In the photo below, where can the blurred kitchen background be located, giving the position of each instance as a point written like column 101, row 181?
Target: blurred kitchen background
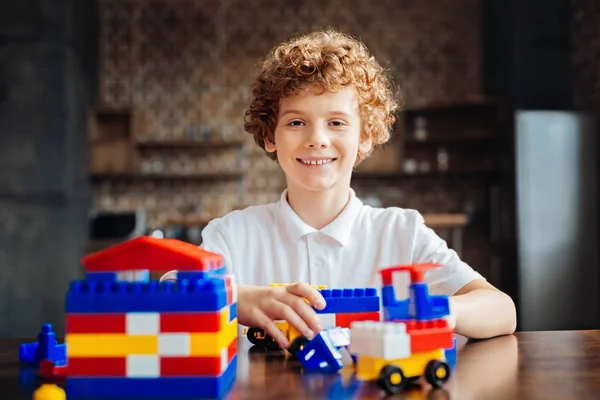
column 122, row 117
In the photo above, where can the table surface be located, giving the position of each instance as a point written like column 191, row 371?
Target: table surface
column 527, row 365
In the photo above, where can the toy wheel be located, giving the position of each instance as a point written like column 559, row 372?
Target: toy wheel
column 437, row 373
column 392, row 379
column 297, row 345
column 256, row 336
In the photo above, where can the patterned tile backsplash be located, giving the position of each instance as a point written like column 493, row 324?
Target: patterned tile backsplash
column 186, row 66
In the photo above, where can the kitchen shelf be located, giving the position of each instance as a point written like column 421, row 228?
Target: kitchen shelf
column 133, row 177
column 188, row 144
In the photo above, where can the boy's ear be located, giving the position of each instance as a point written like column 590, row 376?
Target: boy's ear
column 269, row 146
column 366, row 145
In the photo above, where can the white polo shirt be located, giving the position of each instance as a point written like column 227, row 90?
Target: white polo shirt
column 271, row 244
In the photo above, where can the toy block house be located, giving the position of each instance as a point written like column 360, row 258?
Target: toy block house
column 150, row 339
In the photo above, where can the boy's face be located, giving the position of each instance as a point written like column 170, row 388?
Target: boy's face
column 317, row 138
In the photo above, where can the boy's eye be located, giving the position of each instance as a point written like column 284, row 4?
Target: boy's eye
column 338, row 123
column 295, row 123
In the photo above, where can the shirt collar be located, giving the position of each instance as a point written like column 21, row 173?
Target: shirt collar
column 339, row 229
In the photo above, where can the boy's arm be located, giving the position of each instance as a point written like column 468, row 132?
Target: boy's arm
column 482, row 311
column 479, row 309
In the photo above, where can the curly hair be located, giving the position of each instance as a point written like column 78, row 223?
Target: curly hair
column 323, row 61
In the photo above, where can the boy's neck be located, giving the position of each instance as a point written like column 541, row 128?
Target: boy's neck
column 318, row 209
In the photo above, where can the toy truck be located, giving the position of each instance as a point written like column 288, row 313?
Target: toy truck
column 344, row 306
column 411, row 341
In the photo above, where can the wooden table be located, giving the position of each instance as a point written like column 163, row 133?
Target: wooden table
column 530, row 365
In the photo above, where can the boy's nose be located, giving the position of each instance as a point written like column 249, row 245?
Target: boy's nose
column 318, row 139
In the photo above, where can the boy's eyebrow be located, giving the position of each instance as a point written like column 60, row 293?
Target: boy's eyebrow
column 342, row 113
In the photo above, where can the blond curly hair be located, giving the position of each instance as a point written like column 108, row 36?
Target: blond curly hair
column 326, row 61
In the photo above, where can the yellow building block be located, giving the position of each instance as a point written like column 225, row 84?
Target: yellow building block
column 369, row 368
column 110, row 344
column 211, row 344
column 121, row 345
column 49, row 391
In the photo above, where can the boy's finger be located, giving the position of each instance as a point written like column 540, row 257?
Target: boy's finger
column 291, row 315
column 267, row 325
column 312, row 295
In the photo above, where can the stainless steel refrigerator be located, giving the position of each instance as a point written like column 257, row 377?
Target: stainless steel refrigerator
column 557, row 220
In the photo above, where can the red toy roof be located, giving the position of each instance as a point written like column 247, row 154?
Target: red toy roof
column 154, row 255
column 416, row 272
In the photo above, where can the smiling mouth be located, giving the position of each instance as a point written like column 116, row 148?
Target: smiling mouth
column 316, row 162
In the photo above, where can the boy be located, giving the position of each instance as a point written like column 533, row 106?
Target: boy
column 320, row 105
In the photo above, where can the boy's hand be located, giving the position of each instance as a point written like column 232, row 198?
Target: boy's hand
column 259, row 306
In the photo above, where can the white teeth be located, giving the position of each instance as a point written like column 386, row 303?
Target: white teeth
column 317, row 162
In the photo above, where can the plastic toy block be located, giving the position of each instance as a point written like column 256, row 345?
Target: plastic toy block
column 102, row 276
column 173, row 344
column 198, row 366
column 394, row 310
column 153, row 388
column 385, row 340
column 150, row 323
column 133, row 276
column 233, row 311
column 427, row 306
column 143, row 366
column 104, row 366
column 417, row 272
column 96, row 323
column 48, row 370
column 208, row 344
column 151, row 365
column 196, row 321
column 49, row 391
column 344, row 320
column 110, row 344
column 154, row 255
column 46, row 348
column 429, row 337
column 328, row 320
column 107, row 297
column 142, row 323
column 349, row 300
column 451, row 354
column 28, row 376
column 369, row 368
column 322, row 353
column 124, row 276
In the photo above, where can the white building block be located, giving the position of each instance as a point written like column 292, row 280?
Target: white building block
column 133, row 276
column 224, row 358
column 174, row 344
column 143, row 366
column 386, row 340
column 327, row 320
column 143, row 323
column 234, row 289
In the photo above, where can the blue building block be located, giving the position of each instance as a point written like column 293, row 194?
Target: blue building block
column 394, row 310
column 119, row 297
column 101, row 276
column 322, row 353
column 232, row 312
column 451, row 354
column 429, row 307
column 141, row 276
column 153, row 388
column 46, row 348
column 349, row 300
column 426, row 307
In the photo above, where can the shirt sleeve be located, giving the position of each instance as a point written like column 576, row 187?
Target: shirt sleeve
column 214, row 240
column 453, row 273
